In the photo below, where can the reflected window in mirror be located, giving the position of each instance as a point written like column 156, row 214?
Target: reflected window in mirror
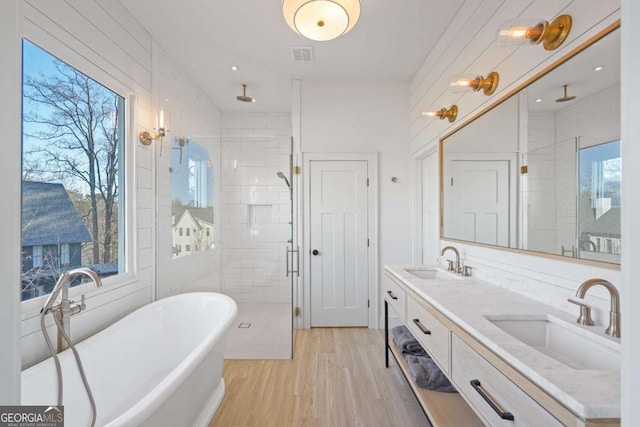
column 600, row 169
column 539, row 170
column 192, row 197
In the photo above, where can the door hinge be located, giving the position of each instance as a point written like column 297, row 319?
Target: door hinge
column 367, row 242
column 452, row 182
column 524, row 170
column 297, row 170
column 368, row 303
column 296, row 311
column 367, row 182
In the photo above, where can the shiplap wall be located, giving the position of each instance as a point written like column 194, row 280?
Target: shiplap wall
column 103, row 40
column 469, row 46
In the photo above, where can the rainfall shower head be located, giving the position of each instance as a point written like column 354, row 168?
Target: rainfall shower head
column 244, row 97
column 281, row 175
column 566, row 97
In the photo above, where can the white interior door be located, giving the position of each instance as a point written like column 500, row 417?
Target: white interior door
column 338, row 242
column 480, row 201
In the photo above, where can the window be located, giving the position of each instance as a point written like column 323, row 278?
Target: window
column 188, row 248
column 599, row 198
column 208, row 232
column 180, row 231
column 188, row 231
column 36, row 257
column 64, row 253
column 72, row 174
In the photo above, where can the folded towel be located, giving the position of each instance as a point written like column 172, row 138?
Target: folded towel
column 406, row 342
column 426, row 374
column 400, row 330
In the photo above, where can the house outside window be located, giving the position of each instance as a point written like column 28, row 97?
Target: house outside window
column 188, row 231
column 188, row 248
column 180, row 231
column 64, row 254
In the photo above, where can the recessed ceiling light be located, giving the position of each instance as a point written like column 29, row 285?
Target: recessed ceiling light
column 539, row 100
column 234, row 68
column 253, row 100
column 598, row 68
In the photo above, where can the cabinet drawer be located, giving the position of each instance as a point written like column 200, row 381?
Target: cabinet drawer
column 396, row 297
column 493, row 395
column 432, row 334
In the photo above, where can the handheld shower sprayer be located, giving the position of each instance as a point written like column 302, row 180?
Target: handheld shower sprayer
column 281, row 175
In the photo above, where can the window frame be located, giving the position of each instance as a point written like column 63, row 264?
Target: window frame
column 128, row 216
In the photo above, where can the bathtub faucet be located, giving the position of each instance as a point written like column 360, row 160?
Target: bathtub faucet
column 63, row 308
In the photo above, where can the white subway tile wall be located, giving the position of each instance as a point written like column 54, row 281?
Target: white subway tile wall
column 255, row 209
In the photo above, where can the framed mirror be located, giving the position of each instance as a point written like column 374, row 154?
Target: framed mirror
column 192, row 197
column 540, row 170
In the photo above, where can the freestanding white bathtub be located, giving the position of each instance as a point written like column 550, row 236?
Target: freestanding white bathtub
column 159, row 366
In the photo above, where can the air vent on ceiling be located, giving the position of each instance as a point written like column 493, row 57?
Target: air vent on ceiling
column 302, row 54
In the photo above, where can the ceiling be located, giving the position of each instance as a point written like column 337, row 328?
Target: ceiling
column 389, row 42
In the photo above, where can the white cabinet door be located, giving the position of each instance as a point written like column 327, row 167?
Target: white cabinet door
column 339, row 249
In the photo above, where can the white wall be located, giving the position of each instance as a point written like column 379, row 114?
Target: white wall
column 367, row 117
column 10, row 121
column 630, row 374
column 255, row 207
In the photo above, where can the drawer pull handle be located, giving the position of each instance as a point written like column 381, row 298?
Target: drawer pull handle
column 487, row 397
column 421, row 327
column 392, row 295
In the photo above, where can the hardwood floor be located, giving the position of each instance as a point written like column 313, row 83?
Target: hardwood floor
column 337, row 378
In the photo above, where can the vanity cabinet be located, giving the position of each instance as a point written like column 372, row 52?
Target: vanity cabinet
column 396, row 297
column 493, row 395
column 432, row 334
column 491, row 391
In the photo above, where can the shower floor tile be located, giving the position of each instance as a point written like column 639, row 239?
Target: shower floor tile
column 267, row 336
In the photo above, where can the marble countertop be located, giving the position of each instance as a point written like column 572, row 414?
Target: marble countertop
column 587, row 393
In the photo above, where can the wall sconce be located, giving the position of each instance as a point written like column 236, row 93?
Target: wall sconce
column 161, row 126
column 443, row 113
column 518, row 32
column 465, row 82
column 321, row 20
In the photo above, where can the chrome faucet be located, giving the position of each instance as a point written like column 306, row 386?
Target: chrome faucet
column 458, row 269
column 585, row 311
column 63, row 308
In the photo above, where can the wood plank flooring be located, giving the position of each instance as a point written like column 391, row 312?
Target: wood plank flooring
column 337, row 378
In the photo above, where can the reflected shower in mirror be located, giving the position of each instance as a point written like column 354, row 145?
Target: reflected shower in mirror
column 540, row 171
column 192, row 197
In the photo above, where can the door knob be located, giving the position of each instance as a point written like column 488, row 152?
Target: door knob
column 315, row 252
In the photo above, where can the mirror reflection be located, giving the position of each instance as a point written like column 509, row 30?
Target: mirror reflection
column 192, row 197
column 541, row 170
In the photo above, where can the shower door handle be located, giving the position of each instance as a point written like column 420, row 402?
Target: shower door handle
column 291, row 251
column 286, row 256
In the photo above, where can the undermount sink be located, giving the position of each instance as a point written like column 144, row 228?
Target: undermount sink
column 565, row 342
column 433, row 273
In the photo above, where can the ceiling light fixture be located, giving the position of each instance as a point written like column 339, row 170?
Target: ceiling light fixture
column 539, row 100
column 598, row 68
column 464, row 82
column 321, row 20
column 443, row 113
column 234, row 68
column 518, row 32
